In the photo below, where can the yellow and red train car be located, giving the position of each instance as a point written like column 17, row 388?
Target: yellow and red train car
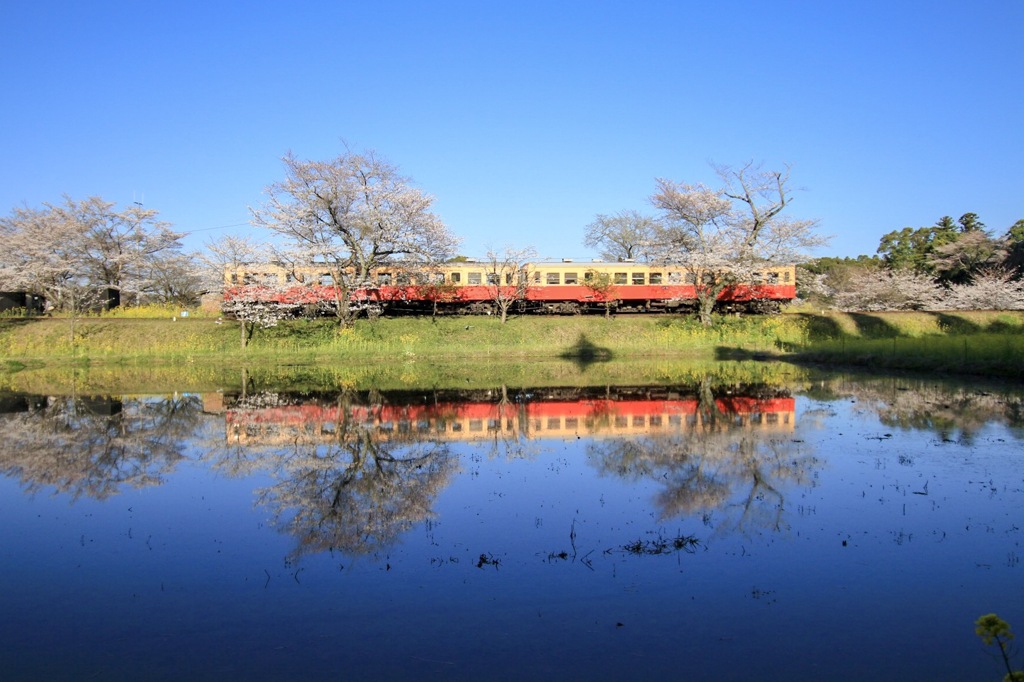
column 561, row 287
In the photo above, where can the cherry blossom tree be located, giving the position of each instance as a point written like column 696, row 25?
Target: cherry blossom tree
column 257, row 306
column 622, row 236
column 71, row 251
column 723, row 236
column 350, row 215
column 698, row 234
column 901, row 289
column 231, row 253
column 508, row 277
column 993, row 288
column 116, row 248
column 176, row 279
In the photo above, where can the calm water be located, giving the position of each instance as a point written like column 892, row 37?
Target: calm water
column 835, row 529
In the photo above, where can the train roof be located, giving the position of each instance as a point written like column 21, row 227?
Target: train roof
column 543, row 262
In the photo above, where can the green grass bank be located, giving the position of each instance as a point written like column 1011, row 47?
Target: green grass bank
column 989, row 343
column 453, row 338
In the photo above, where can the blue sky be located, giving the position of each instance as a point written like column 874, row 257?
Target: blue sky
column 523, row 119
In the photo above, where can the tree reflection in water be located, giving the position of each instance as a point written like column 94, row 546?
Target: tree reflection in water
column 95, row 446
column 952, row 413
column 345, row 488
column 354, row 471
column 720, row 465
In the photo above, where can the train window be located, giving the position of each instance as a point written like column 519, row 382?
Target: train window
column 572, row 278
column 785, row 276
column 326, row 279
column 268, row 279
column 456, row 277
column 383, row 278
column 554, row 277
column 621, row 421
column 638, row 278
column 473, row 278
column 773, row 278
column 536, row 277
column 757, row 277
column 621, row 278
column 655, row 278
column 437, row 278
column 404, row 278
column 588, row 276
column 675, row 278
column 508, row 278
column 476, row 424
column 289, row 277
column 234, row 278
column 492, row 278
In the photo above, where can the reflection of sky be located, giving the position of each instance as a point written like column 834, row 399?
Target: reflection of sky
column 188, row 578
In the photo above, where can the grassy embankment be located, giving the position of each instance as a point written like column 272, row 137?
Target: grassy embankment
column 987, row 343
column 195, row 354
column 106, row 339
column 973, row 343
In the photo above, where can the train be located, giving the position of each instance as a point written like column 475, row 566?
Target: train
column 618, row 412
column 563, row 287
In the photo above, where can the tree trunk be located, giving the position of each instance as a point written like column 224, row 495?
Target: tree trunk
column 705, row 305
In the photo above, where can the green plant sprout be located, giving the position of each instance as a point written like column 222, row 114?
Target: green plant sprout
column 992, row 628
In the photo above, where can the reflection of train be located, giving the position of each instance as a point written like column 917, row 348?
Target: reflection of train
column 472, row 287
column 488, row 419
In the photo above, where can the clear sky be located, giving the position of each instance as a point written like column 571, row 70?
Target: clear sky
column 524, row 119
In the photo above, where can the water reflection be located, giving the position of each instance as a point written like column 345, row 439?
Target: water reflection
column 94, row 446
column 355, row 471
column 953, row 411
column 475, row 415
column 535, row 524
column 733, row 466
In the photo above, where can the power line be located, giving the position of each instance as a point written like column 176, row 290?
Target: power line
column 220, row 227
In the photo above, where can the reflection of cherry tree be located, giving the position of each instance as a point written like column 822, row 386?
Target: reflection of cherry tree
column 354, row 491
column 713, row 470
column 950, row 411
column 96, row 446
column 355, row 496
column 718, row 466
